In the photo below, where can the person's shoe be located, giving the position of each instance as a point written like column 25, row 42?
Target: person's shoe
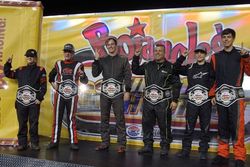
column 183, row 154
column 34, row 147
column 74, row 146
column 102, row 147
column 146, row 150
column 121, row 149
column 239, row 163
column 164, row 151
column 219, row 160
column 22, row 147
column 203, row 156
column 52, row 146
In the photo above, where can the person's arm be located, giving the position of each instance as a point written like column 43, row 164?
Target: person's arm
column 83, row 76
column 212, row 76
column 176, row 87
column 179, row 68
column 136, row 67
column 7, row 69
column 127, row 80
column 52, row 76
column 43, row 85
column 96, row 65
column 96, row 68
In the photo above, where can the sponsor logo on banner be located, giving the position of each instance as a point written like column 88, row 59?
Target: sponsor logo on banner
column 134, row 131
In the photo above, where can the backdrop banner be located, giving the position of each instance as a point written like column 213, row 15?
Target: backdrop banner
column 177, row 29
column 20, row 29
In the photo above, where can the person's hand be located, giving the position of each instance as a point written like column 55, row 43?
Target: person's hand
column 185, row 53
column 81, row 71
column 37, row 102
column 138, row 51
column 54, row 85
column 126, row 96
column 9, row 60
column 213, row 101
column 173, row 106
column 97, row 55
column 243, row 51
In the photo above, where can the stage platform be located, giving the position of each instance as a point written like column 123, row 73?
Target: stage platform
column 87, row 156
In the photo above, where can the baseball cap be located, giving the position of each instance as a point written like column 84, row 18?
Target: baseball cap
column 200, row 48
column 69, row 47
column 31, row 53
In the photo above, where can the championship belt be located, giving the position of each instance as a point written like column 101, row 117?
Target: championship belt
column 155, row 94
column 111, row 88
column 226, row 95
column 68, row 89
column 198, row 95
column 26, row 95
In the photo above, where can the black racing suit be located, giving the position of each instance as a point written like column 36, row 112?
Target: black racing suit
column 163, row 76
column 229, row 70
column 200, row 80
column 32, row 85
column 116, row 72
column 66, row 75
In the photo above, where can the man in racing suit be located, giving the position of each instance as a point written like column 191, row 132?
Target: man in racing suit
column 229, row 66
column 115, row 70
column 65, row 77
column 160, row 97
column 200, row 80
column 32, row 86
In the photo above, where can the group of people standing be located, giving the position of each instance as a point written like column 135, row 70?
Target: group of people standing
column 209, row 83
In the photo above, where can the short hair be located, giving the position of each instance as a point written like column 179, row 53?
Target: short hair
column 228, row 31
column 111, row 38
column 160, row 45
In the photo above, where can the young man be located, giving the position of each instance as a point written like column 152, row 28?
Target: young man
column 115, row 70
column 65, row 77
column 160, row 97
column 200, row 80
column 229, row 66
column 32, row 86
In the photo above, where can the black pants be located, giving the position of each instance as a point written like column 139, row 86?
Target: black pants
column 60, row 105
column 204, row 114
column 25, row 114
column 117, row 105
column 160, row 113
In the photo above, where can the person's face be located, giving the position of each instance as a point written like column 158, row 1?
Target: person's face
column 111, row 46
column 68, row 55
column 159, row 53
column 227, row 40
column 200, row 56
column 31, row 60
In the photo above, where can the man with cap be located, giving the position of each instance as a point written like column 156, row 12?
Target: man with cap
column 64, row 78
column 200, row 79
column 32, row 86
column 116, row 73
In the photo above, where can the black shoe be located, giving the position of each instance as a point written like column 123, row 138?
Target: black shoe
column 203, row 156
column 52, row 146
column 239, row 163
column 74, row 146
column 102, row 147
column 146, row 150
column 219, row 160
column 34, row 147
column 183, row 154
column 164, row 151
column 22, row 147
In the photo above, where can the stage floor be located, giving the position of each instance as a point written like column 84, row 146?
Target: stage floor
column 88, row 156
